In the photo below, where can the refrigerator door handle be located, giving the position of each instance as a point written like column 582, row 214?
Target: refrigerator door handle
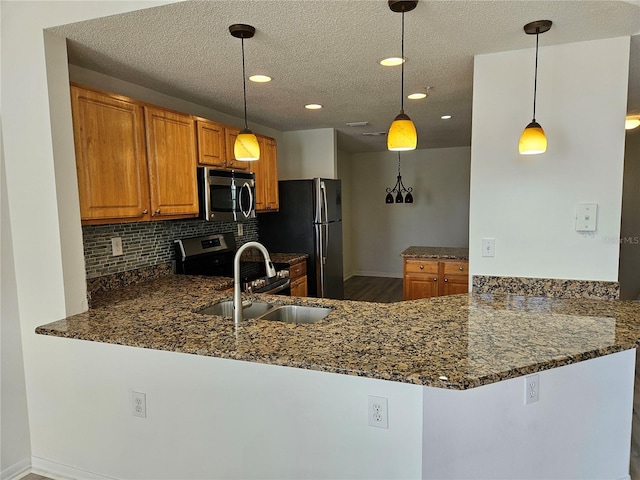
column 323, row 189
column 320, row 259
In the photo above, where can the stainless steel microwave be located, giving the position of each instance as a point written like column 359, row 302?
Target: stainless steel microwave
column 226, row 196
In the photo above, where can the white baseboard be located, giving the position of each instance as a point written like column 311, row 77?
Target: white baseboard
column 58, row 471
column 365, row 273
column 17, row 470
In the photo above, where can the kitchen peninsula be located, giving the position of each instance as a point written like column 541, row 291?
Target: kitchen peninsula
column 451, row 368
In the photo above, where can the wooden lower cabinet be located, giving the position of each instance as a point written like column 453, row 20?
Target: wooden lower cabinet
column 425, row 278
column 298, row 276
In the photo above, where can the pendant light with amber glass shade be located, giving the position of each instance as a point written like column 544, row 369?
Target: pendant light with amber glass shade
column 246, row 147
column 533, row 141
column 402, row 134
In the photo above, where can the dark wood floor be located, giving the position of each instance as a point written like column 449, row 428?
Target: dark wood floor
column 373, row 289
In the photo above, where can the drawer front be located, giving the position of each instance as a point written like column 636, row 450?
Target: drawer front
column 416, row 265
column 454, row 267
column 298, row 269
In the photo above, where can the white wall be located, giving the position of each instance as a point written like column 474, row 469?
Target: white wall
column 439, row 215
column 630, row 227
column 527, row 203
column 308, row 154
column 15, row 451
column 213, row 418
column 43, row 221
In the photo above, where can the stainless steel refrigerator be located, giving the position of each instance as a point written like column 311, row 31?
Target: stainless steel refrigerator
column 309, row 221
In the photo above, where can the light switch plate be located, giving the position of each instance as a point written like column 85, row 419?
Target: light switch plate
column 586, row 217
column 488, row 247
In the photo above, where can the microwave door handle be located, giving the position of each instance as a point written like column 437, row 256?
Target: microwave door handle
column 246, row 213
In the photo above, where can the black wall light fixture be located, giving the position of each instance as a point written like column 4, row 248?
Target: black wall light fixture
column 399, row 189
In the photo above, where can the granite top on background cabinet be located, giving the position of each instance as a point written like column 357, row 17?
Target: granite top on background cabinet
column 451, row 253
column 454, row 342
column 253, row 255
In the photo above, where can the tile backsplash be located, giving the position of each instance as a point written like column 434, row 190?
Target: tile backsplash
column 147, row 244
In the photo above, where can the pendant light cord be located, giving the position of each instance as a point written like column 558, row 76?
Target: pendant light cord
column 535, row 78
column 402, row 69
column 244, row 87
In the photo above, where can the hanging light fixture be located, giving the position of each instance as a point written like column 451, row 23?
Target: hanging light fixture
column 399, row 189
column 402, row 134
column 246, row 147
column 533, row 140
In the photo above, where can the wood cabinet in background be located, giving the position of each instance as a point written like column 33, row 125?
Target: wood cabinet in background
column 171, row 154
column 111, row 161
column 426, row 277
column 298, row 277
column 266, row 172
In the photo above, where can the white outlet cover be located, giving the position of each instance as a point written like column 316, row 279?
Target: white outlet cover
column 531, row 389
column 378, row 412
column 488, row 247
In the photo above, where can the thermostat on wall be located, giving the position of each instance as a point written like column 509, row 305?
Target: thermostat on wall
column 586, row 217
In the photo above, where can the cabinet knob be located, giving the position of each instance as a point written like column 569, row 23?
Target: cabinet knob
column 446, row 279
column 461, row 268
column 145, row 211
column 435, row 279
column 157, row 212
column 421, row 267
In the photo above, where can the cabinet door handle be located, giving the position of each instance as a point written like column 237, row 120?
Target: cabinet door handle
column 421, row 267
column 145, row 211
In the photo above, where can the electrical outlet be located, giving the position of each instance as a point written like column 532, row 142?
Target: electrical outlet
column 378, row 412
column 531, row 389
column 116, row 246
column 139, row 405
column 240, row 229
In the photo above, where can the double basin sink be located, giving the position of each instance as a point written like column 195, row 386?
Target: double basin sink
column 267, row 311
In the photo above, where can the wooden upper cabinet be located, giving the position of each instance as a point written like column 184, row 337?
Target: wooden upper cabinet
column 110, row 157
column 211, row 144
column 230, row 135
column 266, row 172
column 171, row 152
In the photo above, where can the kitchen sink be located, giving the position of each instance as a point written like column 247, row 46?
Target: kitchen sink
column 225, row 309
column 296, row 314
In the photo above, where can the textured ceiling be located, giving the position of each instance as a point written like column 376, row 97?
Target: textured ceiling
column 327, row 52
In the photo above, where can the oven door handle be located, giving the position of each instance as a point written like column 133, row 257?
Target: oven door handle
column 279, row 288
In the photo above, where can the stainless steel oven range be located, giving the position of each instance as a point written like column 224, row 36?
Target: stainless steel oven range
column 212, row 255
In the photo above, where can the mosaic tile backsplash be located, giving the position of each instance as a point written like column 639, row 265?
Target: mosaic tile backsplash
column 146, row 244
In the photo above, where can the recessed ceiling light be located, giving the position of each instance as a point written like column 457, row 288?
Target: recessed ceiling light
column 260, row 78
column 417, row 96
column 445, row 117
column 313, row 106
column 392, row 61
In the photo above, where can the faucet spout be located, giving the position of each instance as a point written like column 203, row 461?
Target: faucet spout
column 237, row 298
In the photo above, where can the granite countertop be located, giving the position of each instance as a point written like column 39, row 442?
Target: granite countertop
column 455, row 342
column 253, row 255
column 453, row 253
